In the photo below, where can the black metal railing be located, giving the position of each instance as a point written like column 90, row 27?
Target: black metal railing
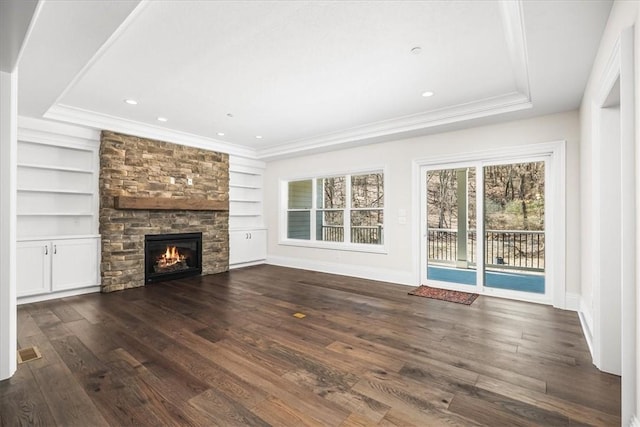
column 359, row 234
column 505, row 249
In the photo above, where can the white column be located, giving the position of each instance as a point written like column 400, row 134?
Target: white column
column 461, row 177
column 8, row 153
column 629, row 232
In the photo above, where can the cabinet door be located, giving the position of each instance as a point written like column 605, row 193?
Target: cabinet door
column 247, row 246
column 74, row 264
column 33, row 268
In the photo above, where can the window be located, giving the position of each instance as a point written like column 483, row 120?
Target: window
column 344, row 209
column 366, row 208
column 299, row 213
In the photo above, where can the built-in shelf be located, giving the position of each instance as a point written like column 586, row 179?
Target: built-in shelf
column 45, row 190
column 60, row 237
column 160, row 203
column 55, row 214
column 251, row 187
column 54, row 168
column 247, row 233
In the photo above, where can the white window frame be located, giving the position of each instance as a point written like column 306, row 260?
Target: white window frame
column 312, row 242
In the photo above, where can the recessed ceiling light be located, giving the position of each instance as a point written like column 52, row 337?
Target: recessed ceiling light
column 258, row 136
column 427, row 94
column 162, row 119
column 131, row 101
column 416, row 50
column 220, row 133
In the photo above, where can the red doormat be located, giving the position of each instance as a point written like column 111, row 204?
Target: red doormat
column 444, row 295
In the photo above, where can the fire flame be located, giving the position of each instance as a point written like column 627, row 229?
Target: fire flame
column 170, row 257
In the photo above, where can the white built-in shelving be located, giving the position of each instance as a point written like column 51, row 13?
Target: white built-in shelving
column 247, row 231
column 57, row 210
column 245, row 194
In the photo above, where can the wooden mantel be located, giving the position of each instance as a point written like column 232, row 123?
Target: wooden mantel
column 167, row 203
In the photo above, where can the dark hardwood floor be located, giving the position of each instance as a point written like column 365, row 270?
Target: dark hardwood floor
column 227, row 350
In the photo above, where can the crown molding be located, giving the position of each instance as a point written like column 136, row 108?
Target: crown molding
column 95, row 120
column 235, row 161
column 30, row 127
column 513, row 24
column 499, row 105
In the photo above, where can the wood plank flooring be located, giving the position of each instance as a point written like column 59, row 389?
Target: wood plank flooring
column 226, row 350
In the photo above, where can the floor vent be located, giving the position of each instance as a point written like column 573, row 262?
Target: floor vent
column 28, row 354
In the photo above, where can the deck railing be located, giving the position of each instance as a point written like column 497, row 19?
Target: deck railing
column 504, row 249
column 359, row 234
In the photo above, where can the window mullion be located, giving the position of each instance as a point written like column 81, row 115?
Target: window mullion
column 312, row 212
column 347, row 210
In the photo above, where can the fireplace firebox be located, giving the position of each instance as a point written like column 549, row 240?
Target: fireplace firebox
column 172, row 256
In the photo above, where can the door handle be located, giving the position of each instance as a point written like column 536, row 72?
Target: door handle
column 46, row 249
column 55, row 249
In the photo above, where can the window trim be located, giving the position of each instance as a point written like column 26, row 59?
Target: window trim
column 320, row 244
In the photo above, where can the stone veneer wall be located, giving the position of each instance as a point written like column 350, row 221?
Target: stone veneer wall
column 133, row 166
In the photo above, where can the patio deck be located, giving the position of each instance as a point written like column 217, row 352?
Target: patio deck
column 524, row 282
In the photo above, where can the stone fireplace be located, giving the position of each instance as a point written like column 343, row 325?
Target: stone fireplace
column 150, row 187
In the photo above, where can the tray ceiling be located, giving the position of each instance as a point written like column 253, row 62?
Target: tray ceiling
column 271, row 78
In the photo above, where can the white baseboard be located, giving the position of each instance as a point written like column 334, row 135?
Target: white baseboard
column 55, row 295
column 586, row 321
column 360, row 271
column 246, row 264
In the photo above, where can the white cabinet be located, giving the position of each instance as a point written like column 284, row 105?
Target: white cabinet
column 74, row 264
column 247, row 246
column 33, row 268
column 45, row 266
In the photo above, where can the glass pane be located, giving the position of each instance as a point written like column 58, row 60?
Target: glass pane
column 331, row 193
column 367, row 191
column 367, row 226
column 299, row 225
column 514, row 226
column 300, row 194
column 451, row 225
column 330, row 226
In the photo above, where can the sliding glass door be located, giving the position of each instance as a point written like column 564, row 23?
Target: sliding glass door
column 484, row 227
column 451, row 220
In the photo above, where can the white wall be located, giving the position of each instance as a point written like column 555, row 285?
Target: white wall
column 8, row 153
column 400, row 263
column 624, row 14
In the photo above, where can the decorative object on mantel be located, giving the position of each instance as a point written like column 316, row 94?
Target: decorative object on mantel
column 465, row 298
column 169, row 203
